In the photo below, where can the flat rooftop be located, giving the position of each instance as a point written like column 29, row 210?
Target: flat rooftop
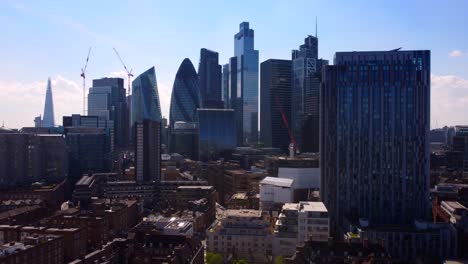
column 243, row 213
column 313, row 207
column 281, row 182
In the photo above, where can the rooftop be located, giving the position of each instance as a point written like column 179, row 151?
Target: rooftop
column 313, row 206
column 281, row 182
column 243, row 213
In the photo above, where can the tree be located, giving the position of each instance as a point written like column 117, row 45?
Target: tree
column 240, row 261
column 279, row 260
column 214, row 258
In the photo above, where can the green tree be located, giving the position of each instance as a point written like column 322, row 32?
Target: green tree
column 240, row 261
column 214, row 258
column 279, row 260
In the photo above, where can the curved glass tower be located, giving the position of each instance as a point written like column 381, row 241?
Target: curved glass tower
column 145, row 98
column 185, row 98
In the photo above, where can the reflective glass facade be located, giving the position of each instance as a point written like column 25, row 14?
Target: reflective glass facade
column 185, row 98
column 225, row 86
column 48, row 117
column 145, row 98
column 275, row 96
column 247, row 82
column 217, row 133
column 374, row 146
column 209, row 79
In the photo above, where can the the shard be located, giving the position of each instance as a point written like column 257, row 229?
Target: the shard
column 48, row 120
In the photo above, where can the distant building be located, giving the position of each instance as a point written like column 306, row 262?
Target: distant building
column 274, row 192
column 148, row 151
column 107, row 100
column 275, row 97
column 364, row 167
column 48, row 117
column 35, row 249
column 185, row 97
column 244, row 233
column 209, row 79
column 297, row 223
column 226, row 93
column 101, row 122
column 184, row 139
column 235, row 181
column 247, row 83
column 145, row 98
column 38, row 121
column 217, row 133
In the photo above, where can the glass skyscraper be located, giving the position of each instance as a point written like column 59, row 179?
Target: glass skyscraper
column 275, row 96
column 209, row 79
column 247, row 83
column 374, row 143
column 305, row 95
column 185, row 98
column 145, row 98
column 48, row 117
column 217, row 133
column 225, row 95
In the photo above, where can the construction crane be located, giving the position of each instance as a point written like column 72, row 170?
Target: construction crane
column 129, row 72
column 292, row 146
column 83, row 75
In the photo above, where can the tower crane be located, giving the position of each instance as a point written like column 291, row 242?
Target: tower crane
column 129, row 72
column 83, row 75
column 292, row 146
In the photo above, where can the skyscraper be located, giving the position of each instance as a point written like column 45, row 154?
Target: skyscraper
column 226, row 95
column 107, row 100
column 374, row 144
column 217, row 133
column 275, row 96
column 185, row 98
column 247, row 82
column 148, row 151
column 305, row 92
column 145, row 98
column 48, row 117
column 209, row 79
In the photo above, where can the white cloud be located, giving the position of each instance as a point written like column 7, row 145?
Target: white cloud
column 449, row 100
column 22, row 101
column 456, row 53
column 119, row 74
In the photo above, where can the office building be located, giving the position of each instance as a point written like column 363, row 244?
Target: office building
column 217, row 133
column 244, row 233
column 106, row 100
column 145, row 98
column 49, row 157
column 297, row 223
column 148, row 151
column 185, row 98
column 184, row 139
column 14, row 158
column 305, row 95
column 374, row 144
column 275, row 103
column 235, row 99
column 275, row 192
column 209, row 79
column 225, row 92
column 247, row 83
column 48, row 119
column 101, row 122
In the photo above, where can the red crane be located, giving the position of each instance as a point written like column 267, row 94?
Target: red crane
column 129, row 72
column 286, row 124
column 83, row 75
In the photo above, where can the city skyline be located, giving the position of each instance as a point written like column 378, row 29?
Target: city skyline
column 64, row 31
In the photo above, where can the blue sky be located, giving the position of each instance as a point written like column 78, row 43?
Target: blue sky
column 51, row 38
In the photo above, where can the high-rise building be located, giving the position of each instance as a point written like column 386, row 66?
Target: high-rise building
column 106, row 99
column 247, row 83
column 184, row 139
column 148, row 151
column 209, row 79
column 275, row 101
column 235, row 99
column 374, row 137
column 48, row 117
column 145, row 98
column 185, row 98
column 217, row 133
column 226, row 95
column 305, row 95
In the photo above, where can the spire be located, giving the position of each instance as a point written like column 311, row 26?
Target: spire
column 316, row 27
column 49, row 120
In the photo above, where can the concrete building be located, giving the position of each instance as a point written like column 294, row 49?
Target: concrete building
column 244, row 233
column 275, row 192
column 147, row 138
column 241, row 181
column 299, row 222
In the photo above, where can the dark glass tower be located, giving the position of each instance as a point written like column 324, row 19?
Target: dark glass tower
column 148, row 151
column 145, row 98
column 305, row 95
column 275, row 96
column 226, row 95
column 247, row 82
column 374, row 144
column 217, row 133
column 107, row 100
column 209, row 79
column 185, row 98
column 48, row 118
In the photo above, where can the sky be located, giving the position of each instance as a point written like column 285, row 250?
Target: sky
column 41, row 39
